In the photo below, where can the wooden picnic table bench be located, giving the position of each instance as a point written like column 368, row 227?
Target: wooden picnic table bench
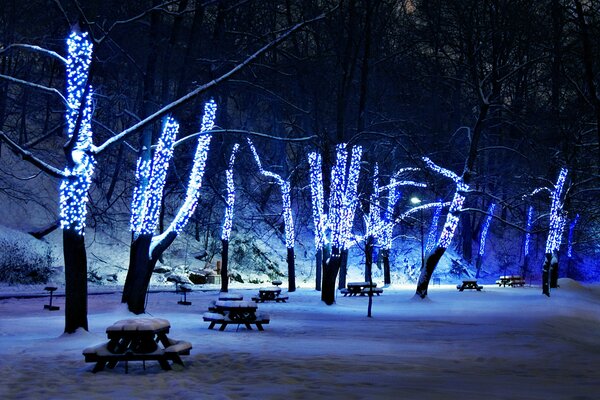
column 270, row 294
column 469, row 284
column 235, row 312
column 137, row 339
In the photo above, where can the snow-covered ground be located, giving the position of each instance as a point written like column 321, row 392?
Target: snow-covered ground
column 501, row 343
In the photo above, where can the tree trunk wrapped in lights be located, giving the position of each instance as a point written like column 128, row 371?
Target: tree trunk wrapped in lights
column 482, row 239
column 146, row 247
column 526, row 245
column 288, row 221
column 228, row 221
column 78, row 177
column 319, row 218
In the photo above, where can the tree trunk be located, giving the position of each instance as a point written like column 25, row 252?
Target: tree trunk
column 478, row 265
column 546, row 274
column 75, row 281
column 554, row 271
column 330, row 270
column 224, row 261
column 343, row 269
column 291, row 270
column 319, row 266
column 385, row 255
column 134, row 290
column 425, row 276
column 369, row 259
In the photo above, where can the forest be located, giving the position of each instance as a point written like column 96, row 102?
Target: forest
column 487, row 103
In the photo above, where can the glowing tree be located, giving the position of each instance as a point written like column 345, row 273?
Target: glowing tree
column 228, row 220
column 77, row 179
column 335, row 227
column 452, row 218
column 432, row 235
column 483, row 236
column 319, row 218
column 147, row 247
column 374, row 225
column 555, row 232
column 288, row 221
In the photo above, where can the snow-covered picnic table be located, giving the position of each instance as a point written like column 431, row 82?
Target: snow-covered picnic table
column 272, row 293
column 137, row 339
column 238, row 312
column 361, row 288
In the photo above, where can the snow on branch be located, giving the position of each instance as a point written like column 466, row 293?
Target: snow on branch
column 37, row 49
column 442, row 171
column 35, row 86
column 28, row 156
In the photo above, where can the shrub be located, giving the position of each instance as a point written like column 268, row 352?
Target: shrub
column 23, row 259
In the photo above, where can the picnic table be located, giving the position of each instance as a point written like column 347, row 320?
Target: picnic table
column 469, row 284
column 270, row 294
column 137, row 339
column 361, row 288
column 225, row 312
column 510, row 280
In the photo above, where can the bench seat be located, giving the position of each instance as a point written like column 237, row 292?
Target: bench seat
column 223, row 320
column 278, row 299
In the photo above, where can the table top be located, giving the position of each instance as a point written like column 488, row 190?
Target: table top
column 470, row 281
column 270, row 289
column 139, row 325
column 230, row 296
column 235, row 304
column 361, row 284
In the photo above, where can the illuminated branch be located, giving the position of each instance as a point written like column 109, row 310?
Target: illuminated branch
column 316, row 190
column 422, row 207
column 374, row 221
column 557, row 217
column 388, row 218
column 228, row 220
column 350, row 201
column 431, row 237
column 528, row 230
column 485, row 228
column 285, row 197
column 195, row 180
column 336, row 196
column 147, row 197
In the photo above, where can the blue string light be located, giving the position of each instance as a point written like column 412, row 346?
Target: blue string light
column 528, row 230
column 485, row 228
column 350, row 197
column 336, row 196
column 316, row 190
column 228, row 220
column 374, row 220
column 431, row 237
column 571, row 229
column 74, row 188
column 197, row 173
column 557, row 217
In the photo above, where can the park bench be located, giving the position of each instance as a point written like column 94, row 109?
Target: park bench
column 510, row 280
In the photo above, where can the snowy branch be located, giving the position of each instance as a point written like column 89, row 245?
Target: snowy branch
column 27, row 156
column 36, row 49
column 35, row 86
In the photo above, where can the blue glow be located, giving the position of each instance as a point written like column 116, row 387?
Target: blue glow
column 316, row 190
column 374, row 221
column 485, row 228
column 528, row 230
column 74, row 188
column 571, row 229
column 431, row 237
column 228, row 219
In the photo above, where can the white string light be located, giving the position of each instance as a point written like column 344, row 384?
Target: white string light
column 485, row 228
column 350, row 196
column 528, row 230
column 431, row 237
column 74, row 188
column 228, row 219
column 316, row 190
column 557, row 217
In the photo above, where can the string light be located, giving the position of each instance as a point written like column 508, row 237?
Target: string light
column 74, row 188
column 285, row 197
column 528, row 230
column 138, row 203
column 336, row 197
column 431, row 237
column 375, row 223
column 485, row 228
column 197, row 173
column 557, row 218
column 228, row 220
column 571, row 229
column 350, row 196
column 388, row 219
column 316, row 190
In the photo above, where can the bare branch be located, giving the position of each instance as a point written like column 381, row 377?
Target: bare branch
column 201, row 89
column 36, row 49
column 248, row 133
column 27, row 156
column 34, row 85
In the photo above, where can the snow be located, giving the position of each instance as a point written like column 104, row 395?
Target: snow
column 500, row 343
